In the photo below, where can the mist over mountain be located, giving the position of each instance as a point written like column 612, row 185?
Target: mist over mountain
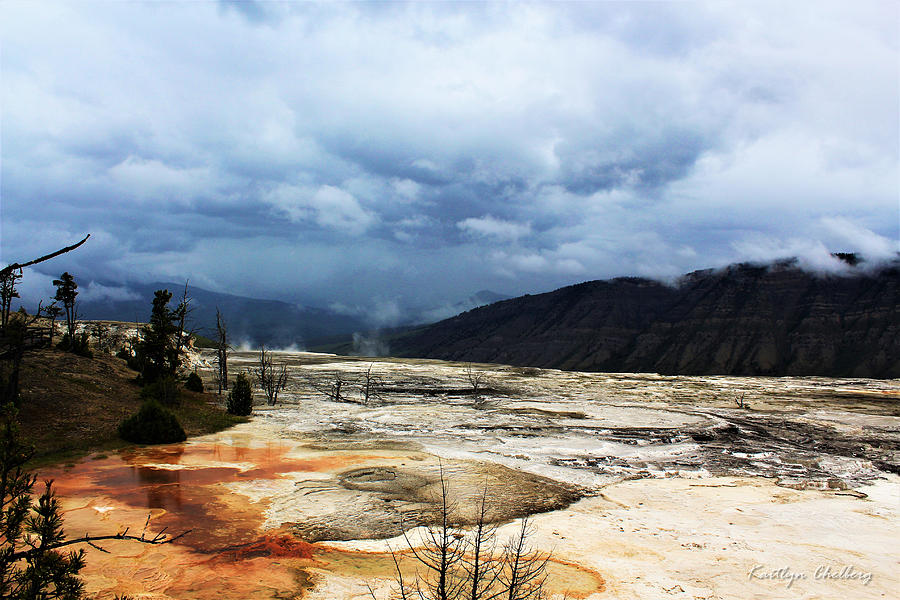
column 439, row 313
column 254, row 321
column 251, row 321
column 746, row 319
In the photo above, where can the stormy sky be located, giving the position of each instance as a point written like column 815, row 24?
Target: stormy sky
column 376, row 156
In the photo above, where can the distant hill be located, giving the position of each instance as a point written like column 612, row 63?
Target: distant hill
column 250, row 320
column 742, row 320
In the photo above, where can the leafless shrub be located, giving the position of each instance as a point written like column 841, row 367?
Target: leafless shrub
column 336, row 388
column 368, row 386
column 477, row 379
column 271, row 378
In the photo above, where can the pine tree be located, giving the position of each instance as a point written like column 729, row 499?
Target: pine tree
column 31, row 566
column 157, row 351
column 66, row 290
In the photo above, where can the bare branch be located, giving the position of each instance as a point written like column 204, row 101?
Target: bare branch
column 9, row 268
column 156, row 540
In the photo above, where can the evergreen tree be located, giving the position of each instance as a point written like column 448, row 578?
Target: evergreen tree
column 66, row 290
column 157, row 351
column 240, row 400
column 31, row 566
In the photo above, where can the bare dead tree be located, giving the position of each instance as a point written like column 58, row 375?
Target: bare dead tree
column 524, row 569
column 335, row 388
column 155, row 539
column 465, row 564
column 477, row 379
column 270, row 377
column 12, row 339
column 441, row 554
column 479, row 563
column 368, row 385
column 264, row 366
column 336, row 385
column 279, row 383
column 182, row 313
column 221, row 352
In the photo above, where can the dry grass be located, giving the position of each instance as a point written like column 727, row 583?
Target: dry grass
column 71, row 405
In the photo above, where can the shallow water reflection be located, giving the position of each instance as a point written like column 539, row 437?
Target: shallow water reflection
column 221, row 489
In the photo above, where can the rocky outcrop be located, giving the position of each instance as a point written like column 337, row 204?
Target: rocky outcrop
column 742, row 320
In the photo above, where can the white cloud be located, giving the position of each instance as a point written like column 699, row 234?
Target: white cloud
column 547, row 262
column 815, row 246
column 489, row 226
column 860, row 239
column 328, row 206
column 152, row 180
column 406, row 189
column 337, row 209
column 96, row 291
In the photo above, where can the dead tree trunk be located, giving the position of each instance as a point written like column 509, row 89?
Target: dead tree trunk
column 368, row 386
column 181, row 313
column 271, row 378
column 221, row 352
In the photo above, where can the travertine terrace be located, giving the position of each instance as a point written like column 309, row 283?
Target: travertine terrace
column 641, row 486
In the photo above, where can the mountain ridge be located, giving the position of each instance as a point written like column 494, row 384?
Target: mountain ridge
column 744, row 319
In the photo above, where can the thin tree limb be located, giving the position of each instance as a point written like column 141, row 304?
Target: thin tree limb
column 10, row 268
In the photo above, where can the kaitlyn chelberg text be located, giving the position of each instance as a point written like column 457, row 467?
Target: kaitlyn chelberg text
column 822, row 573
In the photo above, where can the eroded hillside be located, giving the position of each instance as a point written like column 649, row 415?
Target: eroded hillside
column 743, row 320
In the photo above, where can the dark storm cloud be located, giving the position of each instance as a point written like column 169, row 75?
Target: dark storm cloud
column 400, row 153
column 647, row 164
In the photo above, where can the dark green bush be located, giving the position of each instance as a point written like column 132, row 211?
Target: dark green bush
column 153, row 424
column 194, row 383
column 240, row 399
column 163, row 390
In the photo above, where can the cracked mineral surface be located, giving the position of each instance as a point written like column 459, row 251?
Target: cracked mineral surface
column 639, row 485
